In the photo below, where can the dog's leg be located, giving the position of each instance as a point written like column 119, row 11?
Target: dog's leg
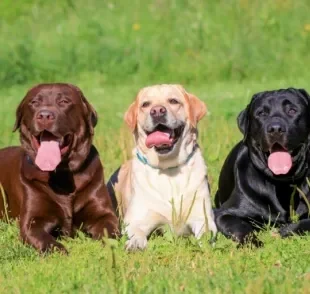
column 97, row 218
column 104, row 223
column 198, row 228
column 39, row 218
column 299, row 228
column 238, row 229
column 137, row 233
column 139, row 225
column 210, row 218
column 36, row 232
column 204, row 209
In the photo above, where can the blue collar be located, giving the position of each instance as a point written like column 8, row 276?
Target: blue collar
column 143, row 159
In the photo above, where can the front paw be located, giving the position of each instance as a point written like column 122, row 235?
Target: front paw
column 289, row 230
column 198, row 229
column 249, row 240
column 52, row 247
column 136, row 243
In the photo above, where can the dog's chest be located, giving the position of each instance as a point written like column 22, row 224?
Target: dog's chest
column 171, row 185
column 165, row 190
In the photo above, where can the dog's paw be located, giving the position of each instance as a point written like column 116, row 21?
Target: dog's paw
column 249, row 240
column 54, row 247
column 289, row 230
column 136, row 243
column 198, row 229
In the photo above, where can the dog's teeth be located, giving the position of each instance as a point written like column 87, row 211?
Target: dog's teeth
column 172, row 134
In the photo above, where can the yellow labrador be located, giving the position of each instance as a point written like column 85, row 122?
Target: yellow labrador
column 166, row 180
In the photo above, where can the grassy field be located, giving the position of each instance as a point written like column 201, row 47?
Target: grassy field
column 223, row 51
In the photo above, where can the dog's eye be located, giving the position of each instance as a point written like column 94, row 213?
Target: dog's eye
column 34, row 103
column 292, row 111
column 146, row 104
column 173, row 101
column 262, row 113
column 63, row 102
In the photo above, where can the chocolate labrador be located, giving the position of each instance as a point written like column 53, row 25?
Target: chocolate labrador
column 257, row 182
column 54, row 182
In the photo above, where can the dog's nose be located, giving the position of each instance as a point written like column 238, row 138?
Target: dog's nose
column 276, row 128
column 45, row 116
column 158, row 111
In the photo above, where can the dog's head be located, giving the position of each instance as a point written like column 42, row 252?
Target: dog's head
column 163, row 119
column 276, row 125
column 56, row 124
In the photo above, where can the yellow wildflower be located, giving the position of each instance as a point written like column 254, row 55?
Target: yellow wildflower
column 136, row 26
column 307, row 27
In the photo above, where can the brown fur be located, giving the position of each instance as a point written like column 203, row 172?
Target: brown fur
column 73, row 196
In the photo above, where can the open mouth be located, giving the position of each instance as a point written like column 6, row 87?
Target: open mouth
column 163, row 138
column 49, row 149
column 279, row 159
column 45, row 136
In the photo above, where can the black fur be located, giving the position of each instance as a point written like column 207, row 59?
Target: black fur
column 110, row 186
column 249, row 194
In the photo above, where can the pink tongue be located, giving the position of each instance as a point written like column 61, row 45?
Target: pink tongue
column 48, row 156
column 158, row 139
column 280, row 162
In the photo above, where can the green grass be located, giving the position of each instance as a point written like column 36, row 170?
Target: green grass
column 222, row 51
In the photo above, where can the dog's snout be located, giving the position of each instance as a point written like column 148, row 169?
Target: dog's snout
column 158, row 111
column 45, row 116
column 276, row 128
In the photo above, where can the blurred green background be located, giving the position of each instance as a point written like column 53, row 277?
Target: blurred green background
column 143, row 42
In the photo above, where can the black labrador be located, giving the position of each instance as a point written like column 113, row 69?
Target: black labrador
column 258, row 181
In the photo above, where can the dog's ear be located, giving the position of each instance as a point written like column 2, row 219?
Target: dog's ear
column 92, row 117
column 305, row 94
column 20, row 107
column 197, row 109
column 130, row 116
column 243, row 121
column 19, row 116
column 19, row 111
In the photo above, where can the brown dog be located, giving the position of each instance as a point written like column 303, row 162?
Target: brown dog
column 54, row 181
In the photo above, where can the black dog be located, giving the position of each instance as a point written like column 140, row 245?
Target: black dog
column 256, row 185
